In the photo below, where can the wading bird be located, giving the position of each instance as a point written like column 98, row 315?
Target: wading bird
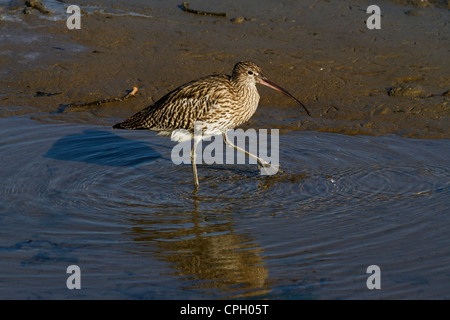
column 218, row 102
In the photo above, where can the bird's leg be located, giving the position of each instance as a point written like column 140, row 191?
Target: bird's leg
column 193, row 161
column 261, row 162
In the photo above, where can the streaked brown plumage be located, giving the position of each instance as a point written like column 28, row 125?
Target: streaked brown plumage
column 222, row 102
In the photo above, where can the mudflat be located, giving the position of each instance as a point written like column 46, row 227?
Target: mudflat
column 353, row 79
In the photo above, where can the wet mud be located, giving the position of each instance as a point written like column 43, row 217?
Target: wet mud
column 350, row 77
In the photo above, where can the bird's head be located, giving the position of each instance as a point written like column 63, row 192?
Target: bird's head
column 246, row 72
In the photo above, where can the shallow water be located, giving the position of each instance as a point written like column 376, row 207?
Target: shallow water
column 113, row 203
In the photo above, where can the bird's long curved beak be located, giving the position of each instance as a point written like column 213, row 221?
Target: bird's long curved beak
column 270, row 84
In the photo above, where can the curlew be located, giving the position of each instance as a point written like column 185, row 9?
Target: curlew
column 217, row 102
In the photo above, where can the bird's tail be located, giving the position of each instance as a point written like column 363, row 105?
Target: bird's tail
column 120, row 126
column 128, row 125
column 135, row 122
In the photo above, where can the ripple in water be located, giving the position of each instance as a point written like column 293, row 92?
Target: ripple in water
column 369, row 171
column 69, row 184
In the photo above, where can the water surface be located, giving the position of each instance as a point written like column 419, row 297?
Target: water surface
column 113, row 203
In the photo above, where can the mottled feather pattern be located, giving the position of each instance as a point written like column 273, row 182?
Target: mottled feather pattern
column 219, row 100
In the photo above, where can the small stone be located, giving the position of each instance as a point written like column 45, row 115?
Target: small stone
column 386, row 111
column 36, row 4
column 238, row 20
column 405, row 90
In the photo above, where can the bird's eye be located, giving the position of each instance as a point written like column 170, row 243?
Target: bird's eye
column 250, row 72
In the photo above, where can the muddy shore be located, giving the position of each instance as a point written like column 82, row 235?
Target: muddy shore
column 354, row 80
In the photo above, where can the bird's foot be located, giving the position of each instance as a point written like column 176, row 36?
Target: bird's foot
column 267, row 168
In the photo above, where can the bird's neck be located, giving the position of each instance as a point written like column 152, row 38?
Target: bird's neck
column 248, row 99
column 242, row 86
column 248, row 93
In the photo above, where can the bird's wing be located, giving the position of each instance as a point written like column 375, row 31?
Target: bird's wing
column 180, row 108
